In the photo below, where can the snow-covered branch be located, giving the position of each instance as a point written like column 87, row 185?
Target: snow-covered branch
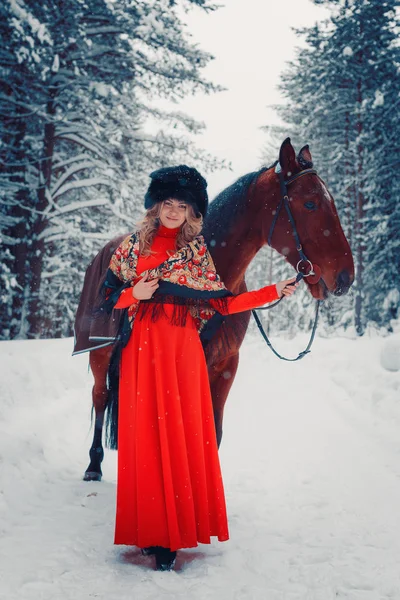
column 82, row 183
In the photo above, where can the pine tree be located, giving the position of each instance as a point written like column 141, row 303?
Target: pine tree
column 341, row 94
column 76, row 82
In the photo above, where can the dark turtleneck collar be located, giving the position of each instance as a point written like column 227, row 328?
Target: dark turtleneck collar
column 166, row 232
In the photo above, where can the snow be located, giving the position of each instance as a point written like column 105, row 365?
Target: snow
column 101, row 88
column 379, row 99
column 38, row 28
column 347, row 51
column 310, row 458
column 390, row 355
column 56, row 64
column 150, row 25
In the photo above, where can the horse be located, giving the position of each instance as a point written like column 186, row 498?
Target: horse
column 240, row 221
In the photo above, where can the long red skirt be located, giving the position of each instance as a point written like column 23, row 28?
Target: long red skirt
column 170, row 491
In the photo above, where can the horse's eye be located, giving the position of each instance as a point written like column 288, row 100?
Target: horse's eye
column 310, row 205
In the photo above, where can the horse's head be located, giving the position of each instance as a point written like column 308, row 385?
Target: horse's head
column 316, row 220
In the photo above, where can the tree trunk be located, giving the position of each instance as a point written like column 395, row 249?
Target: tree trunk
column 19, row 212
column 349, row 212
column 35, row 316
column 360, row 233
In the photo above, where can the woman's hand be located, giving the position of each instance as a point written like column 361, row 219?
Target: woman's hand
column 144, row 289
column 285, row 289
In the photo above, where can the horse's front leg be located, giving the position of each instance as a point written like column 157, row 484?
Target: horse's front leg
column 99, row 361
column 221, row 378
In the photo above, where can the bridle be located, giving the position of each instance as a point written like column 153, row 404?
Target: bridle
column 304, row 267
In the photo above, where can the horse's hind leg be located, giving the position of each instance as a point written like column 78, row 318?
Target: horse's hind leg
column 99, row 361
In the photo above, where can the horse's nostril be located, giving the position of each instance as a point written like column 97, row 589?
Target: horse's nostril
column 342, row 283
column 343, row 279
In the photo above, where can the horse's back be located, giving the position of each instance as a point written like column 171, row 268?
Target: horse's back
column 91, row 333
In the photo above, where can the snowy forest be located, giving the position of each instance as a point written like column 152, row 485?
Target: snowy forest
column 79, row 84
column 343, row 99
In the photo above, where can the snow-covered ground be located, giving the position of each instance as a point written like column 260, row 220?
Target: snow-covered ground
column 311, row 463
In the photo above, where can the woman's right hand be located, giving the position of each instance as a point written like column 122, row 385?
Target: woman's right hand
column 144, row 289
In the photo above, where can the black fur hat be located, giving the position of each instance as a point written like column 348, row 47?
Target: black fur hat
column 181, row 182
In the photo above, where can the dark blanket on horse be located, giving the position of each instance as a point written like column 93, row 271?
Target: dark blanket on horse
column 91, row 333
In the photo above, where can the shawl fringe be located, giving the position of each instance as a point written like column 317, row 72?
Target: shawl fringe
column 182, row 308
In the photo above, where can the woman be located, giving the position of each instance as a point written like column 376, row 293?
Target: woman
column 170, row 493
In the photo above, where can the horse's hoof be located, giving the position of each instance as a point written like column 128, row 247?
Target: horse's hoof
column 92, row 476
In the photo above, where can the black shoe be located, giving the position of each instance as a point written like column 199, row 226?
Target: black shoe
column 165, row 559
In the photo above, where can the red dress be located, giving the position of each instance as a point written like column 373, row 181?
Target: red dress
column 170, row 491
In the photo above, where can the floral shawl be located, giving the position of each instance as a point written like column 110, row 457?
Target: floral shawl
column 187, row 280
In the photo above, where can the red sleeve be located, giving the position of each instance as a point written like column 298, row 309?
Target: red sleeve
column 245, row 301
column 126, row 299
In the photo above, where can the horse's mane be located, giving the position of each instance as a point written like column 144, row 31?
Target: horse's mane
column 228, row 206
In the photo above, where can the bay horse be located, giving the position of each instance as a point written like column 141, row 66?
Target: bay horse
column 237, row 225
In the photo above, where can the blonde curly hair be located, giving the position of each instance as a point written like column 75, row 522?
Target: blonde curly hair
column 149, row 225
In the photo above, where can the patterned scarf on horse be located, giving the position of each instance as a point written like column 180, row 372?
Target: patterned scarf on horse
column 187, row 280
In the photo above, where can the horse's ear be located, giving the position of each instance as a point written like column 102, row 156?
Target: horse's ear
column 304, row 158
column 287, row 159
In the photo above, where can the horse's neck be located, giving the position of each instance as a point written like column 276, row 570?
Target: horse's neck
column 248, row 236
column 233, row 258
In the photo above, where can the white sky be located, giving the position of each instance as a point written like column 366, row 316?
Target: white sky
column 251, row 41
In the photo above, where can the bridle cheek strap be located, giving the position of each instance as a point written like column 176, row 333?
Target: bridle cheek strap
column 308, row 270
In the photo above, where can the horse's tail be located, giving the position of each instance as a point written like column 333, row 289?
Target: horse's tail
column 111, row 437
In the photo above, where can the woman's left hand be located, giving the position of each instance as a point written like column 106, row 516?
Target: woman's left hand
column 285, row 288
